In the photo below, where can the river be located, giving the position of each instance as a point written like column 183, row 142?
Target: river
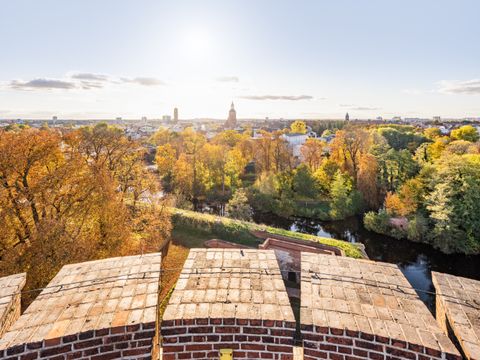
column 416, row 260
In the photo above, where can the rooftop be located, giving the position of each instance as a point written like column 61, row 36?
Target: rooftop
column 91, row 295
column 461, row 302
column 230, row 283
column 368, row 297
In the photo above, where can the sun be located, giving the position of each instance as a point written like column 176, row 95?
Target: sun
column 197, row 41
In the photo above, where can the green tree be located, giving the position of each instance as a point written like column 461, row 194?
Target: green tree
column 238, row 206
column 304, row 183
column 345, row 200
column 454, row 205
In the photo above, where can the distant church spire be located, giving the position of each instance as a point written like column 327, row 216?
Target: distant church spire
column 347, row 117
column 231, row 122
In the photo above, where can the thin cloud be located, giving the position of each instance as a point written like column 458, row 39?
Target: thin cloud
column 47, row 84
column 277, row 97
column 90, row 77
column 469, row 87
column 145, row 81
column 82, row 81
column 228, row 79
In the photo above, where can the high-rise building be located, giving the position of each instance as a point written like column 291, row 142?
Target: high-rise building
column 231, row 122
column 347, row 117
column 175, row 115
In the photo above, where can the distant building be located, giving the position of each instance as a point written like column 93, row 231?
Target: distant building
column 437, row 118
column 295, row 141
column 175, row 115
column 167, row 118
column 347, row 117
column 231, row 122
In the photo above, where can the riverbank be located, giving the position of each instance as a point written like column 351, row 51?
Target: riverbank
column 205, row 225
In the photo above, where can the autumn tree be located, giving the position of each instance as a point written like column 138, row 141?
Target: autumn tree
column 367, row 180
column 313, row 152
column 165, row 159
column 466, row 132
column 298, row 127
column 72, row 198
column 432, row 133
column 347, row 147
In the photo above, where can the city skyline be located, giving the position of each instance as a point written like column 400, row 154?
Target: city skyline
column 89, row 60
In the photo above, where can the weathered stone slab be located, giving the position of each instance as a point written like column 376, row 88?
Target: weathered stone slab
column 88, row 308
column 10, row 299
column 365, row 308
column 458, row 306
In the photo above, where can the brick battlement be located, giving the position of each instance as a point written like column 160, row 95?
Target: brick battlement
column 354, row 309
column 229, row 298
column 104, row 309
column 134, row 342
column 341, row 344
column 203, row 338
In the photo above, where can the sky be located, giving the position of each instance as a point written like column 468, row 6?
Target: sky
column 91, row 59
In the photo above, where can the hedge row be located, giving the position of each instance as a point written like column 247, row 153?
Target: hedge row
column 240, row 231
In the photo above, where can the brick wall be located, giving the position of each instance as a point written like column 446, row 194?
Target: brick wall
column 339, row 344
column 203, row 338
column 11, row 314
column 133, row 341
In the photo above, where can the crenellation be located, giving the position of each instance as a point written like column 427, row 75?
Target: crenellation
column 381, row 318
column 102, row 309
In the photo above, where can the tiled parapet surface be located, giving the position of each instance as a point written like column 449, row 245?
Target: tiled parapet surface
column 458, row 304
column 360, row 309
column 101, row 309
column 229, row 298
column 10, row 299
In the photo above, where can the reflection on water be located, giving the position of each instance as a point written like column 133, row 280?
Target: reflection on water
column 416, row 260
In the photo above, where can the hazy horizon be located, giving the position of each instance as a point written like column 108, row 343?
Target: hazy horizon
column 277, row 59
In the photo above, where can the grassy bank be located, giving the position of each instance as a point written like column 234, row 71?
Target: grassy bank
column 192, row 228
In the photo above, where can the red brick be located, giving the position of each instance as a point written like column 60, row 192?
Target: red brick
column 198, row 347
column 335, row 331
column 433, row 352
column 229, row 321
column 252, row 347
column 55, row 351
column 368, row 345
column 400, row 353
column 200, row 329
column 107, row 356
column 278, row 348
column 172, row 348
column 339, row 340
column 227, row 329
column 32, row 355
column 344, row 350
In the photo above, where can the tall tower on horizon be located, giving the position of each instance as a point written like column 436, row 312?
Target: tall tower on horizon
column 231, row 122
column 347, row 117
column 175, row 115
